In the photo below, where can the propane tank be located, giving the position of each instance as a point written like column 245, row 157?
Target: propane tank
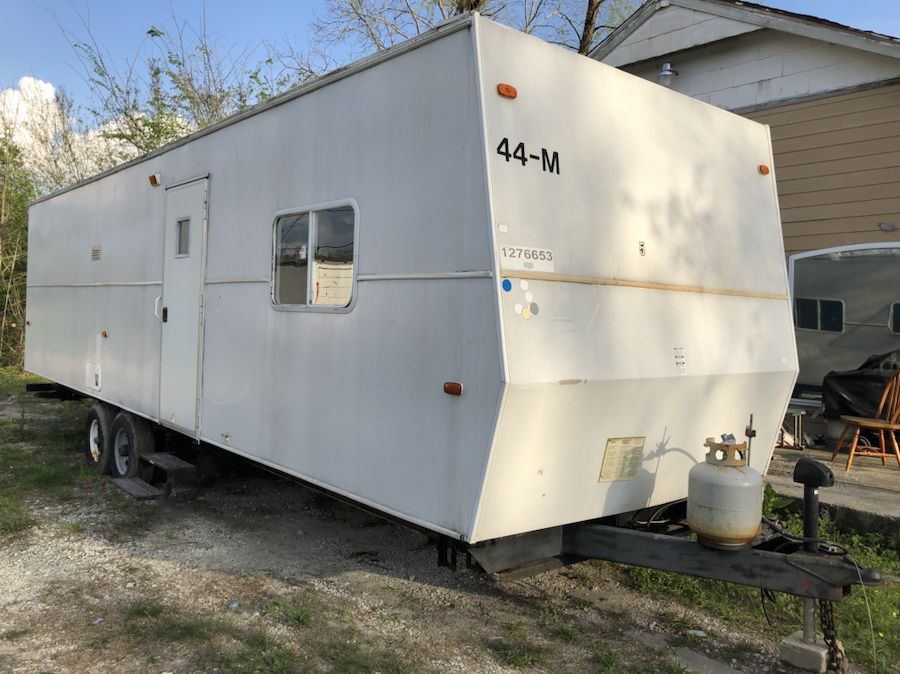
column 724, row 506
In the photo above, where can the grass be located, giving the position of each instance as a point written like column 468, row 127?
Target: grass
column 298, row 614
column 516, row 649
column 72, row 528
column 37, row 452
column 14, row 518
column 606, row 662
column 346, row 651
column 255, row 654
column 741, row 605
column 231, row 649
column 556, row 625
column 149, row 619
column 40, row 460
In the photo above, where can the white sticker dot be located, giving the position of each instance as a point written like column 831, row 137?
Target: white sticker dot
column 518, row 308
column 523, row 284
column 529, row 298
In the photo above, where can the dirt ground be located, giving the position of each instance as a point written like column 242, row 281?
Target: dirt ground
column 258, row 574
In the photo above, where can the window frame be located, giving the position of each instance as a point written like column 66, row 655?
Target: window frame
column 818, row 301
column 311, row 248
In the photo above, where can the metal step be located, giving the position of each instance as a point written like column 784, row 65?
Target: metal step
column 136, row 487
column 171, row 464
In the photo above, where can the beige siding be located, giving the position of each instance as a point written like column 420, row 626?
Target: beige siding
column 837, row 161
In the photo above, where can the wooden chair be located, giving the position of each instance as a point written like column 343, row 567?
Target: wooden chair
column 886, row 422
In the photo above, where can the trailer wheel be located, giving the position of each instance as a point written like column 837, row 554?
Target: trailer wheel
column 97, row 437
column 131, row 437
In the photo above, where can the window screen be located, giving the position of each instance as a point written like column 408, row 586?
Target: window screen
column 328, row 280
column 291, row 262
column 183, row 237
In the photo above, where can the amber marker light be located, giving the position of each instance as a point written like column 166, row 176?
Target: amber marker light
column 763, row 169
column 507, row 90
column 453, row 388
column 155, row 179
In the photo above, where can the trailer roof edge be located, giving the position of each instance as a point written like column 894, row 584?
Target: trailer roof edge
column 448, row 27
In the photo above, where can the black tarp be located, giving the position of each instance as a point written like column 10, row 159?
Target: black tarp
column 858, row 392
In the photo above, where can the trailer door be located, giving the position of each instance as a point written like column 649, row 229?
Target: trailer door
column 181, row 305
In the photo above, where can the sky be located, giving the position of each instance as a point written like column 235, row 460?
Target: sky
column 32, row 42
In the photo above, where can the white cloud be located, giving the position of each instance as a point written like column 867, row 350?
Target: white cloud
column 20, row 107
column 56, row 149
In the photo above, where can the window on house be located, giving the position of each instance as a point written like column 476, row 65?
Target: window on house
column 328, row 280
column 816, row 314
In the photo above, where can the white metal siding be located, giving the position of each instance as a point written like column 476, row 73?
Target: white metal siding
column 666, row 314
column 351, row 401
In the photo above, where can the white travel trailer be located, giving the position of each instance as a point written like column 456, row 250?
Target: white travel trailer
column 846, row 308
column 476, row 282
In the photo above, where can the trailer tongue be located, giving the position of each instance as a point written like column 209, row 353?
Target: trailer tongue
column 775, row 561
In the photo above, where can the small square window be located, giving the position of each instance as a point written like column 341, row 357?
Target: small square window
column 183, row 238
column 313, row 258
column 822, row 315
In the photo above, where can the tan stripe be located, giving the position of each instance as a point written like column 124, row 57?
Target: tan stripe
column 646, row 285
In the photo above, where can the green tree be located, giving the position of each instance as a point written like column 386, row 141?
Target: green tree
column 179, row 79
column 16, row 191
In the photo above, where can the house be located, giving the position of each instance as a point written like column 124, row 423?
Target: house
column 831, row 97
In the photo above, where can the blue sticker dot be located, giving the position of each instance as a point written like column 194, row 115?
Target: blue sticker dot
column 507, row 284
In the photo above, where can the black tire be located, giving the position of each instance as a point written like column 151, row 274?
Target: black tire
column 98, row 437
column 130, row 438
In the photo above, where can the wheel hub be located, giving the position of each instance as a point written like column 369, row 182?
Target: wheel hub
column 94, row 440
column 122, row 451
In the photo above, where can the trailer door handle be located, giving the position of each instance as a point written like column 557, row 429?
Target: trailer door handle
column 156, row 306
column 165, row 314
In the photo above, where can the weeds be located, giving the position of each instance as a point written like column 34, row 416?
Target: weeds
column 150, row 619
column 72, row 528
column 516, row 649
column 36, row 453
column 142, row 608
column 296, row 615
column 606, row 662
column 556, row 625
column 14, row 518
column 252, row 657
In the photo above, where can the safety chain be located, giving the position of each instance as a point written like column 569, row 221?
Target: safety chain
column 837, row 663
